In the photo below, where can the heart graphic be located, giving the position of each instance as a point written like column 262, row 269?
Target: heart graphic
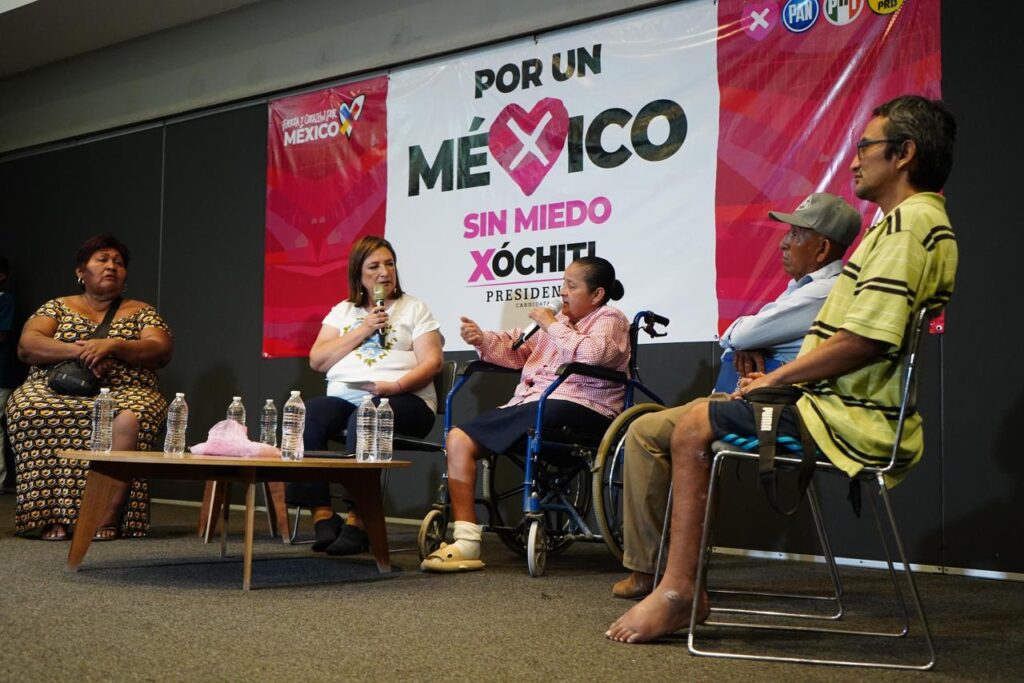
column 527, row 145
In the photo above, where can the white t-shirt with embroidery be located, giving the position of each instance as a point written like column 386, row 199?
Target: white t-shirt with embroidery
column 409, row 318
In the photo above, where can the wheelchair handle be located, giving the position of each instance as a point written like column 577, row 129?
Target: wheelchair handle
column 649, row 320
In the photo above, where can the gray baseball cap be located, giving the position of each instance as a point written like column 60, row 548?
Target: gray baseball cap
column 825, row 214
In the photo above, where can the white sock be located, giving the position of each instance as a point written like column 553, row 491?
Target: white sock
column 467, row 539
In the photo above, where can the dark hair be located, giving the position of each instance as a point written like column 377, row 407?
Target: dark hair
column 94, row 244
column 599, row 272
column 361, row 250
column 932, row 128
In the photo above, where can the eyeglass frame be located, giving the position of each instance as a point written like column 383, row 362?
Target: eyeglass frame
column 867, row 142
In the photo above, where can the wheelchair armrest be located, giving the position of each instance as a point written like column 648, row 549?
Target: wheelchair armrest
column 473, row 366
column 596, row 371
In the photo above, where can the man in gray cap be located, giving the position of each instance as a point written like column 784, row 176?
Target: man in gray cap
column 821, row 229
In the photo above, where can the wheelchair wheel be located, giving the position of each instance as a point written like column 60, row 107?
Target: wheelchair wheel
column 607, row 480
column 503, row 490
column 432, row 530
column 536, row 548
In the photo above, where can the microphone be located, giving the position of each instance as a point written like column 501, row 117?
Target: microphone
column 379, row 295
column 555, row 307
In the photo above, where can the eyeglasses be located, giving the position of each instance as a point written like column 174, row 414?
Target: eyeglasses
column 867, row 142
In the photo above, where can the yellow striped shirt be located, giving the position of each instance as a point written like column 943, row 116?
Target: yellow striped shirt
column 905, row 262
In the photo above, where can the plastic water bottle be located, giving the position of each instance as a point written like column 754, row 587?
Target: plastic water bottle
column 293, row 423
column 366, row 430
column 268, row 423
column 385, row 430
column 236, row 411
column 103, row 422
column 177, row 424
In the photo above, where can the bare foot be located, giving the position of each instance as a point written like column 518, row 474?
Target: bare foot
column 636, row 585
column 662, row 612
column 55, row 532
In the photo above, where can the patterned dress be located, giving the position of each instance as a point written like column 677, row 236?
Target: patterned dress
column 41, row 422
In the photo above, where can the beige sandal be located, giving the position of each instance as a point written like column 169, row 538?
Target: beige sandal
column 448, row 559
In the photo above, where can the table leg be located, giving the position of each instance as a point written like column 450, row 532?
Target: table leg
column 250, row 523
column 100, row 486
column 364, row 487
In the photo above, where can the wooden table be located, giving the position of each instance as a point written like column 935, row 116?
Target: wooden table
column 107, row 470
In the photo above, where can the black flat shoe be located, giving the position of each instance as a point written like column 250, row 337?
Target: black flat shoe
column 351, row 541
column 327, row 531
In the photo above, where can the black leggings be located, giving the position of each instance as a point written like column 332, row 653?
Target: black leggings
column 328, row 417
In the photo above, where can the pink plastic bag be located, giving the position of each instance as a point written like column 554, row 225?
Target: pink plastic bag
column 228, row 437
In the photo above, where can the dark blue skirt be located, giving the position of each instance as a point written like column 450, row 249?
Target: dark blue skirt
column 503, row 429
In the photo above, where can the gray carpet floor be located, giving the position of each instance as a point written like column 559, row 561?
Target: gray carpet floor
column 168, row 608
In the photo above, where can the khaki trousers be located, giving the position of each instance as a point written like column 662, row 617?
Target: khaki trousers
column 647, row 474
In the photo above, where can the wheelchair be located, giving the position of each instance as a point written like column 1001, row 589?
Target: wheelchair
column 544, row 505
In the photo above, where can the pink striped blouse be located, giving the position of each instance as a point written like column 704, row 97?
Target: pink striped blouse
column 600, row 338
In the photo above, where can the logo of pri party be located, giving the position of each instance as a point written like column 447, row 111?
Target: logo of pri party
column 528, row 144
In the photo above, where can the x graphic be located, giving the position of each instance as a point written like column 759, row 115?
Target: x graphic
column 529, row 142
column 758, row 19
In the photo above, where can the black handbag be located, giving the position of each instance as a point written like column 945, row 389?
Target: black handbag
column 70, row 377
column 768, row 404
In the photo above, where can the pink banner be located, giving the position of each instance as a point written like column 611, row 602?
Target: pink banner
column 326, row 187
column 798, row 81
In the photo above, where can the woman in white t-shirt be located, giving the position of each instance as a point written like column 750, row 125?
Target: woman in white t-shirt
column 391, row 350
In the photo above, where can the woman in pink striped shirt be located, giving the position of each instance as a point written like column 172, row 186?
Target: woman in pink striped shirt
column 585, row 331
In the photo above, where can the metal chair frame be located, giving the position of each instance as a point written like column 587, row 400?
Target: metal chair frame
column 537, row 502
column 874, row 476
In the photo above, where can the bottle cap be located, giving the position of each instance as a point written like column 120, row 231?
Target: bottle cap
column 179, row 394
column 236, row 398
column 383, row 401
column 104, row 390
column 270, row 400
column 295, row 392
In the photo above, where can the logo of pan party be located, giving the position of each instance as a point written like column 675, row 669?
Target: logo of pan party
column 800, row 15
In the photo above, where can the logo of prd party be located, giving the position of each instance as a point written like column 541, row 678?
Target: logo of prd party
column 885, row 6
column 842, row 12
column 800, row 15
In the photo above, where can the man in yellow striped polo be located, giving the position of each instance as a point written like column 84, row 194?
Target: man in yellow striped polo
column 849, row 364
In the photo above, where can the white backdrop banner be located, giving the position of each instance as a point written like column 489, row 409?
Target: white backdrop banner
column 507, row 163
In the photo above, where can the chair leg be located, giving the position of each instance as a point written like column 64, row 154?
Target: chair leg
column 268, row 507
column 204, row 509
column 294, row 536
column 279, row 514
column 664, row 535
column 702, row 579
column 835, row 597
column 909, row 573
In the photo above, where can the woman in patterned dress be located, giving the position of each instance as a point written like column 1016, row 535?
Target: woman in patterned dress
column 42, row 422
